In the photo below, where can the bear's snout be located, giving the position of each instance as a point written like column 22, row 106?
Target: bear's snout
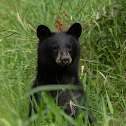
column 63, row 59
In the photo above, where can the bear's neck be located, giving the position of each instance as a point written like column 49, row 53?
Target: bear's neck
column 56, row 75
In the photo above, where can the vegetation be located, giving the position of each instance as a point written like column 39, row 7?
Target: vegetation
column 102, row 63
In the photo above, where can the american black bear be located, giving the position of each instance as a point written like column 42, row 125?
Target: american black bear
column 58, row 60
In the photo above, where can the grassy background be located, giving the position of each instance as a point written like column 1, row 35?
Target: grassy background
column 102, row 64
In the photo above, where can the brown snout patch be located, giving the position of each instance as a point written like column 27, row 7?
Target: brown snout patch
column 63, row 58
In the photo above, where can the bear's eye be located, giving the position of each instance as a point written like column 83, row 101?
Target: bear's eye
column 55, row 48
column 69, row 47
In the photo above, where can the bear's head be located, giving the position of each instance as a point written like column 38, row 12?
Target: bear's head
column 59, row 47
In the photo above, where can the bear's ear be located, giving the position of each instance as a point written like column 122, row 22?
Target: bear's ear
column 43, row 32
column 75, row 30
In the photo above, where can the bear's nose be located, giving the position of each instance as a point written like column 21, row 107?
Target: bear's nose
column 65, row 61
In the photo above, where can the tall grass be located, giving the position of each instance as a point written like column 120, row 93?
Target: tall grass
column 102, row 63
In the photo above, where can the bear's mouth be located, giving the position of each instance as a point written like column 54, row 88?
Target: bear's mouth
column 63, row 63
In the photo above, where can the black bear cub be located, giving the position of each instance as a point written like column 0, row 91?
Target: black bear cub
column 58, row 60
